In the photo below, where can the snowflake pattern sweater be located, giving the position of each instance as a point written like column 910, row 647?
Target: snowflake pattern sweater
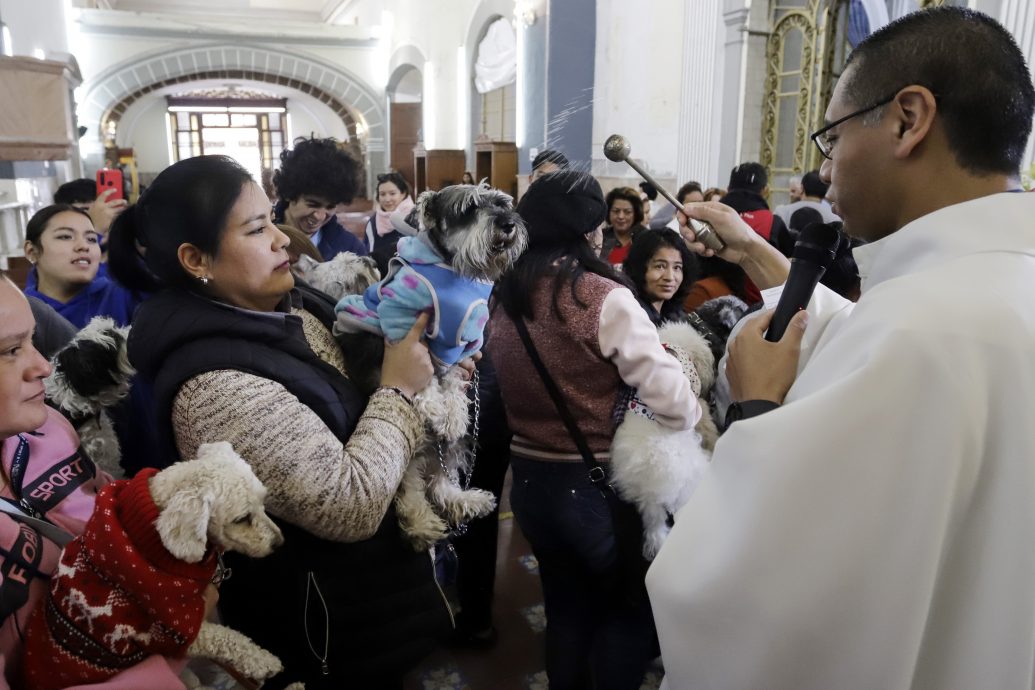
column 118, row 596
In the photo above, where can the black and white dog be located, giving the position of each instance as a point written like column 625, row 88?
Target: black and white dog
column 469, row 236
column 91, row 374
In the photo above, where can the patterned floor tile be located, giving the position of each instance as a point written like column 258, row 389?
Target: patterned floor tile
column 529, row 563
column 536, row 617
column 445, row 678
column 537, row 681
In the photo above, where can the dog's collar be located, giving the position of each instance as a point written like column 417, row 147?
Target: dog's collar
column 222, row 573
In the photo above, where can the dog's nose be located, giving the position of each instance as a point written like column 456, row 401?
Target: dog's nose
column 507, row 227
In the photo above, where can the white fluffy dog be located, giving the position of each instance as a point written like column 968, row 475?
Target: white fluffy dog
column 205, row 506
column 90, row 374
column 345, row 274
column 654, row 467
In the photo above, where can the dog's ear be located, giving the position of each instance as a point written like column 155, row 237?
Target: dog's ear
column 183, row 523
column 427, row 210
column 305, row 264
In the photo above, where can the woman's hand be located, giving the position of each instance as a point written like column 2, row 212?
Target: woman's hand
column 467, row 366
column 407, row 364
column 760, row 370
column 104, row 210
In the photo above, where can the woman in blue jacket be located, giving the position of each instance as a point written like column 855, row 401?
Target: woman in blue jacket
column 65, row 251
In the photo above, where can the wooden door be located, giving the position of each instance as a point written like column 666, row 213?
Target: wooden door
column 405, row 123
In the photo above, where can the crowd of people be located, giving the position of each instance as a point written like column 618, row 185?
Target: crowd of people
column 862, row 522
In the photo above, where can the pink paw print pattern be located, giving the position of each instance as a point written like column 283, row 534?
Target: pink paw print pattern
column 410, row 281
column 388, row 292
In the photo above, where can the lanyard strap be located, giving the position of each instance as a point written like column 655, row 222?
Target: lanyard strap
column 47, row 529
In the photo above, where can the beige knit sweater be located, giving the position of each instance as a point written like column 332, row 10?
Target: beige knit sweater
column 335, row 491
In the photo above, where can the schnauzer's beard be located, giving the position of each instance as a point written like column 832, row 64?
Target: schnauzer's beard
column 489, row 246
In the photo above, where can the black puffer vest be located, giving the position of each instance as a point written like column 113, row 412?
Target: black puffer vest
column 374, row 609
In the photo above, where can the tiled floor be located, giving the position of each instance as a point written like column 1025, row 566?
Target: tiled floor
column 516, row 662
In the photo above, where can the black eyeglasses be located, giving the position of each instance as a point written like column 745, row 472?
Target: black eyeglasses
column 824, row 144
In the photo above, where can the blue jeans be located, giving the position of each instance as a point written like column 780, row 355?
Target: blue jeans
column 597, row 637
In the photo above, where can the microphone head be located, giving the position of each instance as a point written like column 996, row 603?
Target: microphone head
column 818, row 243
column 617, row 148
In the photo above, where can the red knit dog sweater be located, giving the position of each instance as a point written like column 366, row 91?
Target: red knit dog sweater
column 118, row 596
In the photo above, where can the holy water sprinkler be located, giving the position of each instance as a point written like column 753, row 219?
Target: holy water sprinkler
column 617, row 149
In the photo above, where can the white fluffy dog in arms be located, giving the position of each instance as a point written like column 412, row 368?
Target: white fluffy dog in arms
column 132, row 584
column 657, row 468
column 469, row 236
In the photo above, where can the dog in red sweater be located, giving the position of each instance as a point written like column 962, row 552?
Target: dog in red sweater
column 132, row 584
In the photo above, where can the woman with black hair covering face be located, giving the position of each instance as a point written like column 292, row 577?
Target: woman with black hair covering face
column 593, row 337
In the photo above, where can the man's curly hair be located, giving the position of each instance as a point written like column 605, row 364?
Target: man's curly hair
column 317, row 167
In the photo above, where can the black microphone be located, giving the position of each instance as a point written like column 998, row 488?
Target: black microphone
column 813, row 252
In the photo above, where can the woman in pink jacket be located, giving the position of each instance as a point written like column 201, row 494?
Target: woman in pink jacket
column 45, row 476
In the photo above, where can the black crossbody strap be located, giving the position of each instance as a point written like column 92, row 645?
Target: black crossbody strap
column 597, row 474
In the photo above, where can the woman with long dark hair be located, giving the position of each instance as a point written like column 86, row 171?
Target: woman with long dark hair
column 592, row 337
column 662, row 269
column 237, row 353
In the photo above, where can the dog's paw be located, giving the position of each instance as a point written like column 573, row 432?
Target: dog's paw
column 468, row 505
column 259, row 665
column 419, row 524
column 652, row 541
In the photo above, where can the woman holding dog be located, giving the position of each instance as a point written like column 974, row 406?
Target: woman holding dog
column 238, row 354
column 592, row 337
column 36, row 443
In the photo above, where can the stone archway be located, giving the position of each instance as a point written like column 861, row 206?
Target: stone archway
column 110, row 93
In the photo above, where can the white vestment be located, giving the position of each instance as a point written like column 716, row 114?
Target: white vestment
column 877, row 531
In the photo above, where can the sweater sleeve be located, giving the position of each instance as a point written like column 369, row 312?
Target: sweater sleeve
column 335, row 491
column 631, row 342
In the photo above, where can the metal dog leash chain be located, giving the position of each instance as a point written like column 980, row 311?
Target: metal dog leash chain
column 461, row 529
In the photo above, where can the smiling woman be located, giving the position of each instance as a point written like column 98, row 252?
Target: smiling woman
column 64, row 248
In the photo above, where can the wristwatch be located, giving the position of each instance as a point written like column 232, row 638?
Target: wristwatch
column 746, row 409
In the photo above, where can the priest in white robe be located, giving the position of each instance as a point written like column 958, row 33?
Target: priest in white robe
column 875, row 529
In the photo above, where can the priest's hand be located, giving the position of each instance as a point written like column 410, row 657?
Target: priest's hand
column 760, row 370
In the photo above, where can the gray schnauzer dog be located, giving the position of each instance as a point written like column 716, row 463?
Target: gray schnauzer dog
column 469, row 236
column 91, row 374
column 345, row 274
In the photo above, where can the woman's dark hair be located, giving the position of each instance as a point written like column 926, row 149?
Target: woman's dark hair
column 566, row 262
column 395, row 178
column 628, row 194
column 643, row 249
column 559, row 209
column 687, row 189
column 317, row 167
column 39, row 221
column 189, row 202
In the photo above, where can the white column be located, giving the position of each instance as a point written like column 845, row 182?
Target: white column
column 731, row 118
column 700, row 101
column 1018, row 16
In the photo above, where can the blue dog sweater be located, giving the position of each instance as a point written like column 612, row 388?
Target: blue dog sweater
column 418, row 281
